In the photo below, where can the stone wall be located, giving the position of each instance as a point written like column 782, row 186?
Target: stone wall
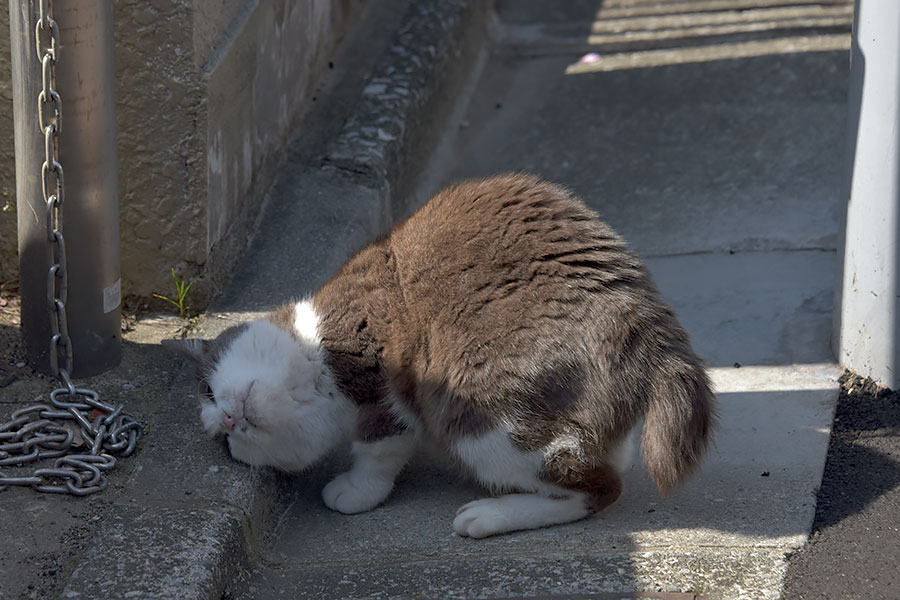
column 160, row 113
column 207, row 92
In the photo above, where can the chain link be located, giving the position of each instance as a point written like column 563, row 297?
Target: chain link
column 84, row 437
column 52, row 173
column 82, row 433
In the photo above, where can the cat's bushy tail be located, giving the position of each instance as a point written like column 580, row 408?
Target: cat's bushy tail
column 677, row 424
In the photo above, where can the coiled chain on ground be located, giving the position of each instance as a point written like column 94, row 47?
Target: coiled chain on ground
column 82, row 433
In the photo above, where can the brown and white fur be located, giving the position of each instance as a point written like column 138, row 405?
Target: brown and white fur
column 502, row 322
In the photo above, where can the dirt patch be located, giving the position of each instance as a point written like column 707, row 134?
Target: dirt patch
column 12, row 353
column 13, row 356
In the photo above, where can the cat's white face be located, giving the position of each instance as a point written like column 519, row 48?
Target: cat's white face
column 270, row 395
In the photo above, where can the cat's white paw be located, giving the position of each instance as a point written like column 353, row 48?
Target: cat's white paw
column 514, row 512
column 351, row 493
column 481, row 518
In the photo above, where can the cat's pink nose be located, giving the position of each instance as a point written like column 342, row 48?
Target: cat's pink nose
column 229, row 421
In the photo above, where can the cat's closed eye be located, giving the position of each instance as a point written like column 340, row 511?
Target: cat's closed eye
column 204, row 391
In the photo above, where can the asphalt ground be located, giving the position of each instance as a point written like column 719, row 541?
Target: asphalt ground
column 854, row 548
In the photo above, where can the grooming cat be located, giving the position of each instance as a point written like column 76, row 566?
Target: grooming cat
column 503, row 322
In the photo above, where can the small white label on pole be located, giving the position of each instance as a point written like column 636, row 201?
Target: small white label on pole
column 112, row 296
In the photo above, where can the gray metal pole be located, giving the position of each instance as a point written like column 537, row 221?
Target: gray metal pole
column 85, row 80
column 867, row 299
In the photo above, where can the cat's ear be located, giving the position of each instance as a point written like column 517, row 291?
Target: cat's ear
column 194, row 350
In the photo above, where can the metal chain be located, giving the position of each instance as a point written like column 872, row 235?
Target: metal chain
column 53, row 430
column 51, row 169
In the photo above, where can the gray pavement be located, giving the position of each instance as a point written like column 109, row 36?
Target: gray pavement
column 717, row 156
column 724, row 173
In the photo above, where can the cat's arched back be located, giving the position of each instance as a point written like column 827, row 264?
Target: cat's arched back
column 506, row 323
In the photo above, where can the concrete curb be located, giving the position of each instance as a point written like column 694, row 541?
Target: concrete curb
column 190, row 514
column 400, row 86
column 429, row 51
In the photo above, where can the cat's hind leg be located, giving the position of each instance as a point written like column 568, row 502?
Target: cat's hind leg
column 371, row 478
column 563, row 485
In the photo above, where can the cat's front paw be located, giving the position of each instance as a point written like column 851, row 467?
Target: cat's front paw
column 480, row 518
column 350, row 493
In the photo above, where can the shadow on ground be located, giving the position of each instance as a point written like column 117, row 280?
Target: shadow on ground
column 854, row 543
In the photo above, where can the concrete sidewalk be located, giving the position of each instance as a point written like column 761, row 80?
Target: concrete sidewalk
column 715, row 150
column 718, row 157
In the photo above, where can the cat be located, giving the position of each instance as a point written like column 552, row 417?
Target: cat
column 502, row 322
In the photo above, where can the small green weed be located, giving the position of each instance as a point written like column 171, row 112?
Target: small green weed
column 181, row 290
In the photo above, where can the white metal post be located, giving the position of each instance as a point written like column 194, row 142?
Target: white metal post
column 867, row 304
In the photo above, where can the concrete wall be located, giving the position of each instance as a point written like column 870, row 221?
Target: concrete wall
column 207, row 92
column 8, row 261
